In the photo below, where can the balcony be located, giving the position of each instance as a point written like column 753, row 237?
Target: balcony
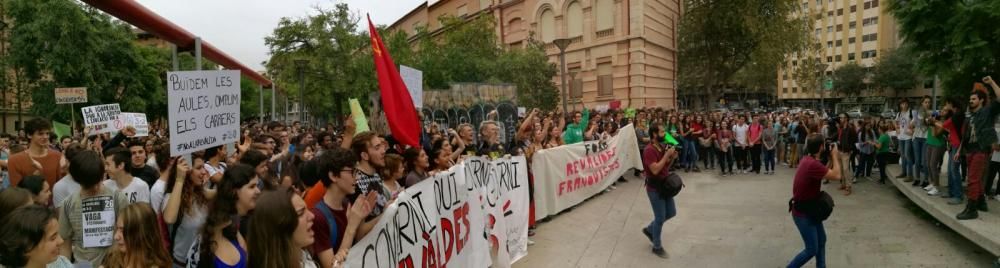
column 605, row 33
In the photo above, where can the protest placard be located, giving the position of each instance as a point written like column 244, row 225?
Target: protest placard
column 136, row 120
column 203, row 109
column 414, row 81
column 360, row 121
column 100, row 117
column 569, row 174
column 67, row 95
column 473, row 215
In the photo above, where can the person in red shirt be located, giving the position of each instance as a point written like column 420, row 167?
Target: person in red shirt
column 756, row 147
column 806, row 187
column 951, row 111
column 39, row 159
column 656, row 161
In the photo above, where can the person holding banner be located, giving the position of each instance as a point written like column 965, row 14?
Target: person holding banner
column 656, row 161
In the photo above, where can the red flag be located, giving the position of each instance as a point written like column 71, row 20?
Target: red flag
column 396, row 101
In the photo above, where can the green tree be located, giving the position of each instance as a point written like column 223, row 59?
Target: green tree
column 896, row 70
column 530, row 70
column 959, row 41
column 718, row 39
column 849, row 79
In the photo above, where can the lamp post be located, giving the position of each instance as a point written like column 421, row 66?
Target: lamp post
column 822, row 91
column 301, row 64
column 562, row 43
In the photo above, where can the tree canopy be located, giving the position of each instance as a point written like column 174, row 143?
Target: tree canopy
column 849, row 79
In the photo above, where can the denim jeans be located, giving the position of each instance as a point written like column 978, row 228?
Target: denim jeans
column 954, row 177
column 769, row 160
column 690, row 153
column 919, row 159
column 814, row 237
column 663, row 210
column 725, row 160
column 865, row 165
column 906, row 157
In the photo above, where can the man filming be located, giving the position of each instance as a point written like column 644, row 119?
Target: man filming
column 806, row 190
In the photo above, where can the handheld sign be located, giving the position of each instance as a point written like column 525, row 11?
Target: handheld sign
column 100, row 117
column 67, row 95
column 136, row 120
column 204, row 109
column 360, row 121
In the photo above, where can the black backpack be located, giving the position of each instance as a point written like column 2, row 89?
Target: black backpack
column 667, row 187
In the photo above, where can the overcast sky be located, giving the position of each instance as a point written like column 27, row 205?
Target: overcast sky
column 238, row 27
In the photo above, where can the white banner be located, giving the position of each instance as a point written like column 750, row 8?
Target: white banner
column 136, row 120
column 100, row 117
column 67, row 95
column 414, row 81
column 460, row 218
column 204, row 109
column 569, row 174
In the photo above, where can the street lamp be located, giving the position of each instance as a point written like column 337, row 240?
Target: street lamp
column 562, row 43
column 822, row 91
column 301, row 64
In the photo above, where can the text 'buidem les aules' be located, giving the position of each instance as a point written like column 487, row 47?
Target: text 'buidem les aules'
column 176, row 83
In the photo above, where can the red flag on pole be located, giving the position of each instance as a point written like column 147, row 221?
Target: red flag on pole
column 396, row 102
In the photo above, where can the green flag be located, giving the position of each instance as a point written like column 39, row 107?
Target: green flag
column 630, row 113
column 359, row 116
column 669, row 139
column 61, row 130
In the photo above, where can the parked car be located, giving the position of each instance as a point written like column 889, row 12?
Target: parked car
column 888, row 114
column 855, row 113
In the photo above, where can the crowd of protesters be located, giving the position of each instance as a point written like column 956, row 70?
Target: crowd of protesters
column 293, row 196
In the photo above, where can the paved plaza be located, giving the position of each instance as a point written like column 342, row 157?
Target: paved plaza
column 743, row 221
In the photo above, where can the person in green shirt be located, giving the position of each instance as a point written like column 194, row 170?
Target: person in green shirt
column 882, row 152
column 574, row 131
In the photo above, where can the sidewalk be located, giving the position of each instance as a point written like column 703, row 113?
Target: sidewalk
column 743, row 220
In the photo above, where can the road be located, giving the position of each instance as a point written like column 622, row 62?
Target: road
column 743, row 221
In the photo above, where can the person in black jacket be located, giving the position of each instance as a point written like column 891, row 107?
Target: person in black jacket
column 847, row 136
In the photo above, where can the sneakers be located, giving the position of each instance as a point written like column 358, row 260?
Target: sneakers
column 928, row 188
column 933, row 191
column 531, row 242
column 955, row 201
column 648, row 235
column 659, row 252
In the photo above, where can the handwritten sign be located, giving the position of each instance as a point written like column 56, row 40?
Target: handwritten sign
column 67, row 95
column 100, row 117
column 204, row 109
column 136, row 120
column 414, row 81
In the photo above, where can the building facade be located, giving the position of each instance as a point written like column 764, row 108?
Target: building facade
column 848, row 31
column 620, row 49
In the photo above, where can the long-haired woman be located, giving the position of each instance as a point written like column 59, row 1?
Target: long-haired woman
column 392, row 173
column 418, row 164
column 724, row 148
column 137, row 239
column 440, row 157
column 282, row 226
column 30, row 238
column 222, row 244
column 185, row 206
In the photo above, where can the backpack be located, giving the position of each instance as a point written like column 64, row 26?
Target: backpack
column 330, row 221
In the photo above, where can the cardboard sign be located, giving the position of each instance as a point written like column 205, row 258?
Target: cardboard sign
column 360, row 121
column 67, row 95
column 136, row 120
column 414, row 80
column 100, row 117
column 203, row 109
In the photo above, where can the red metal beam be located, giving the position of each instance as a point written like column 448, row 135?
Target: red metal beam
column 145, row 19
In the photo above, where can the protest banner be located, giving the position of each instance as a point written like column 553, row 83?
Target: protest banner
column 69, row 95
column 569, row 174
column 203, row 109
column 136, row 120
column 414, row 81
column 99, row 117
column 473, row 215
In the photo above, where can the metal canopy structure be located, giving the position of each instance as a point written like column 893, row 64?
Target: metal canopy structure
column 145, row 19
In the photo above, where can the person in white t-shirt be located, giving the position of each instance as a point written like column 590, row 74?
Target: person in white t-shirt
column 742, row 144
column 116, row 161
column 158, row 193
column 66, row 186
column 215, row 165
column 904, row 124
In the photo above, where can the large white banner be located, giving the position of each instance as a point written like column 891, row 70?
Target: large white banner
column 473, row 215
column 204, row 109
column 569, row 174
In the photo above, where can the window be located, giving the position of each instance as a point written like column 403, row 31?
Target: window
column 784, row 77
column 547, row 25
column 868, row 5
column 829, row 59
column 574, row 20
column 840, row 27
column 838, row 58
column 483, row 4
column 869, row 37
column 874, row 3
column 576, row 88
column 869, row 21
column 829, row 13
column 461, row 11
column 868, row 54
column 829, row 44
column 840, row 11
column 840, row 43
column 829, row 29
column 854, row 8
column 852, row 25
column 784, row 90
column 795, row 63
column 604, row 80
column 818, row 31
column 851, row 40
column 850, row 56
column 605, row 14
column 795, row 90
column 819, row 3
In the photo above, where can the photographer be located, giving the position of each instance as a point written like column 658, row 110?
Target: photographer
column 806, row 190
